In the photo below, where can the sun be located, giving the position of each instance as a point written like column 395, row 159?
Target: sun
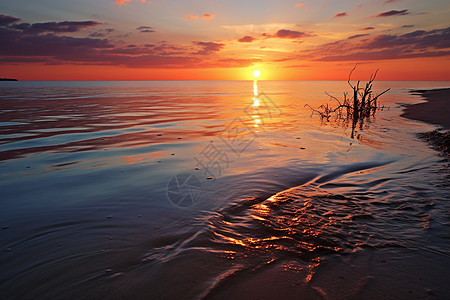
column 256, row 73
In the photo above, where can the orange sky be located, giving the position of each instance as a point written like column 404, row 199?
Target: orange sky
column 198, row 40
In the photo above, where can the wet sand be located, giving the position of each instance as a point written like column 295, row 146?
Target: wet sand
column 435, row 110
column 368, row 274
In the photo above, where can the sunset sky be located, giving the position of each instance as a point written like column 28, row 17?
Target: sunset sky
column 224, row 40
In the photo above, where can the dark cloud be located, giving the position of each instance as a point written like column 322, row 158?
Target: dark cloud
column 383, row 55
column 367, row 28
column 344, row 14
column 407, row 26
column 391, row 1
column 145, row 29
column 419, row 43
column 290, row 34
column 393, row 13
column 15, row 59
column 97, row 34
column 246, row 39
column 7, row 20
column 55, row 27
column 208, row 47
column 419, row 39
column 415, row 33
column 44, row 43
column 102, row 32
column 16, row 43
column 357, row 36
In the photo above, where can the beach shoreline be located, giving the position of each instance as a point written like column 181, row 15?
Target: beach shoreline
column 435, row 110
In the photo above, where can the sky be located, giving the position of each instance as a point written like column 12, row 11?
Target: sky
column 224, row 40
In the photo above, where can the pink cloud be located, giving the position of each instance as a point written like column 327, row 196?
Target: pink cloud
column 246, row 39
column 124, row 2
column 344, row 14
column 290, row 34
column 208, row 47
column 191, row 17
column 208, row 16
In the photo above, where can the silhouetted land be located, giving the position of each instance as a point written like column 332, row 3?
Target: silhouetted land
column 8, row 79
column 435, row 111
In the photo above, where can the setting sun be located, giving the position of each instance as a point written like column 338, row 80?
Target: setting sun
column 256, row 73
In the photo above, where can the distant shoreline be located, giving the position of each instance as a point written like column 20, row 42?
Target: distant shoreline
column 435, row 110
column 8, row 79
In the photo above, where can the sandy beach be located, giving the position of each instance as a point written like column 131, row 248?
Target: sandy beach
column 435, row 110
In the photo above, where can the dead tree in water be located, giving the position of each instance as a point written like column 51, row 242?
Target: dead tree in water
column 362, row 104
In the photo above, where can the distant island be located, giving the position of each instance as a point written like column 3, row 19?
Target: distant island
column 8, row 79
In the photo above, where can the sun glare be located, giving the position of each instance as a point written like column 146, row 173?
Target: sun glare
column 256, row 73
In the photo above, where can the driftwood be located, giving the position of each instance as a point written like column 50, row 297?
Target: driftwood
column 362, row 104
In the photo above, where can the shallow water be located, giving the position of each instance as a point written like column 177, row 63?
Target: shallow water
column 92, row 200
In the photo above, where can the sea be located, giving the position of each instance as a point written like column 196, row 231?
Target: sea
column 217, row 190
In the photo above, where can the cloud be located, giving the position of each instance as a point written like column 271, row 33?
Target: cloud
column 208, row 47
column 7, row 20
column 15, row 43
column 55, row 27
column 145, row 29
column 339, row 15
column 299, row 4
column 298, row 66
column 124, row 2
column 391, row 1
column 45, row 46
column 419, row 43
column 191, row 17
column 246, row 39
column 356, row 36
column 407, row 26
column 234, row 63
column 383, row 55
column 290, row 34
column 97, row 34
column 367, row 28
column 393, row 13
column 208, row 16
column 419, row 39
column 102, row 32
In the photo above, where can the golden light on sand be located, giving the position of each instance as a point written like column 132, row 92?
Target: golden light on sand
column 256, row 73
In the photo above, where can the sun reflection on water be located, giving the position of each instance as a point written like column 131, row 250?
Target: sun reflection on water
column 256, row 118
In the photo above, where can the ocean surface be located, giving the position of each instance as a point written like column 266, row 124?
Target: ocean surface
column 152, row 190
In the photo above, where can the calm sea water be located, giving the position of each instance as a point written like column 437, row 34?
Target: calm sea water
column 160, row 189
